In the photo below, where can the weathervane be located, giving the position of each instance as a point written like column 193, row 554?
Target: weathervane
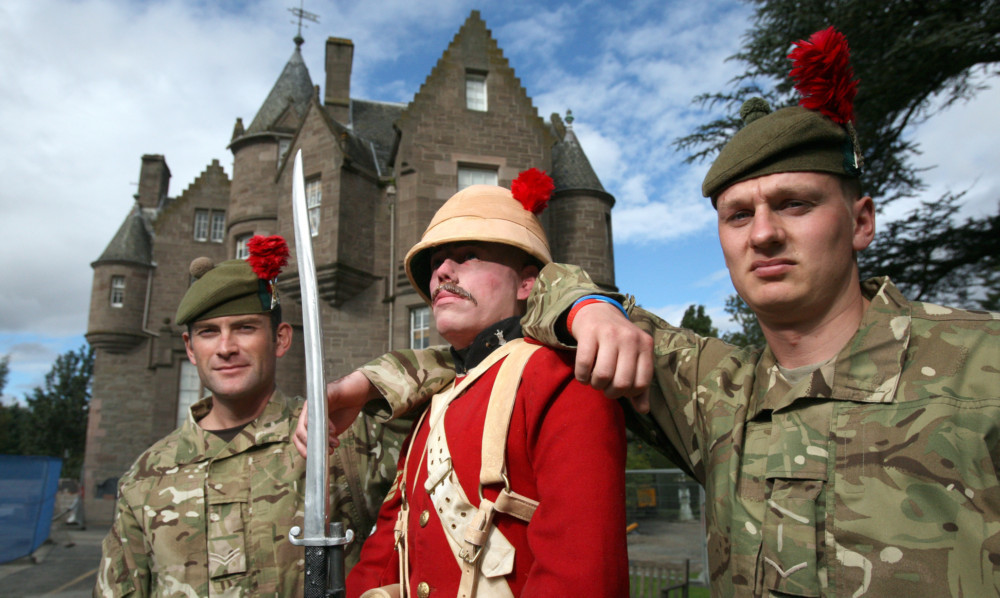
column 301, row 13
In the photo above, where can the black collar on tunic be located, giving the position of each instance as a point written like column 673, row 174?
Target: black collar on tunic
column 485, row 343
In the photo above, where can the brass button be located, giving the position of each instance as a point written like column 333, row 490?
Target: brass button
column 423, row 589
column 424, row 518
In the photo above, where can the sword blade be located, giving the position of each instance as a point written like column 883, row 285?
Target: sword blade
column 316, row 502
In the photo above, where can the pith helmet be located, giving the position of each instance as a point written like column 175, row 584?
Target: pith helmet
column 486, row 213
column 234, row 287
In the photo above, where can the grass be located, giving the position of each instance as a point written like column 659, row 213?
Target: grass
column 694, row 591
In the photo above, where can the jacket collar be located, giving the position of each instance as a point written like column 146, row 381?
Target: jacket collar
column 274, row 424
column 867, row 369
column 485, row 343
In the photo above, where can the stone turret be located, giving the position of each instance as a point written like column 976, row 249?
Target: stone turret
column 118, row 297
column 259, row 150
column 579, row 213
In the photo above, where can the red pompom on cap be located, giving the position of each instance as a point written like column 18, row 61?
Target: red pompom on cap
column 533, row 188
column 823, row 75
column 268, row 255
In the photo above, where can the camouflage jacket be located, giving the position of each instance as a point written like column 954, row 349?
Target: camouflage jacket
column 197, row 516
column 874, row 476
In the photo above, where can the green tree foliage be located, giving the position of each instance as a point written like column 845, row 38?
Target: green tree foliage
column 913, row 59
column 13, row 425
column 57, row 412
column 12, row 417
column 640, row 455
column 932, row 260
column 749, row 333
column 4, row 371
column 696, row 320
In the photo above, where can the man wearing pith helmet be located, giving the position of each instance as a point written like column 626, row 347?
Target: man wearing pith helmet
column 856, row 453
column 512, row 482
column 206, row 511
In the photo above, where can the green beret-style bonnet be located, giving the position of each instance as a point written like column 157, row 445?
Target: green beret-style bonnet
column 816, row 136
column 235, row 287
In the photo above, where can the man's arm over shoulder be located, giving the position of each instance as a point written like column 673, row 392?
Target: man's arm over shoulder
column 556, row 289
column 407, row 379
column 667, row 361
column 566, row 308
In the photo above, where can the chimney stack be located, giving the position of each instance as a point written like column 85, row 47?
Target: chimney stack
column 154, row 181
column 339, row 57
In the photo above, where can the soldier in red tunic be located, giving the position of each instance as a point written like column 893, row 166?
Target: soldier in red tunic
column 512, row 483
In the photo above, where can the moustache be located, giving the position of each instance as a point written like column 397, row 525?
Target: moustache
column 455, row 290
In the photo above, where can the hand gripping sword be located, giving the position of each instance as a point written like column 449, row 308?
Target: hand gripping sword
column 324, row 548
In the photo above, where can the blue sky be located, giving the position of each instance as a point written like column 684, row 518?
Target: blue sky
column 89, row 86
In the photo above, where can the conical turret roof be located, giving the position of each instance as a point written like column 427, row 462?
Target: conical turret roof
column 132, row 243
column 293, row 84
column 570, row 167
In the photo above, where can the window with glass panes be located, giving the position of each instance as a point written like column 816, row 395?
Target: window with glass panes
column 475, row 91
column 189, row 389
column 117, row 291
column 420, row 327
column 476, row 176
column 218, row 226
column 242, row 252
column 201, row 225
column 314, row 197
column 283, row 145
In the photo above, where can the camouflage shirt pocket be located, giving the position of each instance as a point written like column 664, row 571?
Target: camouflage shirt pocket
column 227, row 511
column 789, row 550
column 797, row 471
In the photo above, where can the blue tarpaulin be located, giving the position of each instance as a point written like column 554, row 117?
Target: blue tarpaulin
column 27, row 500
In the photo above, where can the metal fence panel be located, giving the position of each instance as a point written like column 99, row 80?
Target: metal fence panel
column 666, row 508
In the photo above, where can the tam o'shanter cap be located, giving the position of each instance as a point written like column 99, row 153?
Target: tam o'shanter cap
column 235, row 287
column 816, row 136
column 486, row 213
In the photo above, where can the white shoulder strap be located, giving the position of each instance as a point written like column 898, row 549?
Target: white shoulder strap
column 493, row 469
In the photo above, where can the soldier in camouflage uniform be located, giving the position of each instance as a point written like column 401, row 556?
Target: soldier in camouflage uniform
column 206, row 510
column 854, row 455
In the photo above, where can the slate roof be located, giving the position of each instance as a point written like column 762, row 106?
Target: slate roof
column 372, row 121
column 294, row 82
column 132, row 243
column 570, row 167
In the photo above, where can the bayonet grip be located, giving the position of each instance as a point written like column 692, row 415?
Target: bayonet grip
column 315, row 586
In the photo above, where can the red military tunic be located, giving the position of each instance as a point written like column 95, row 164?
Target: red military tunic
column 565, row 449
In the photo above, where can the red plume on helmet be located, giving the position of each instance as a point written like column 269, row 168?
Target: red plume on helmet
column 533, row 188
column 822, row 72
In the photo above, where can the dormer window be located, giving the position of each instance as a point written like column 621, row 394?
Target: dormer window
column 283, row 145
column 475, row 91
